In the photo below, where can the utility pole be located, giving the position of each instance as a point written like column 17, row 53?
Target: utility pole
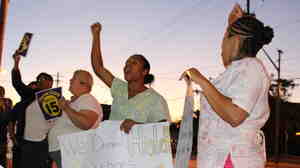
column 57, row 79
column 277, row 111
column 3, row 18
column 248, row 7
column 278, row 102
column 278, row 98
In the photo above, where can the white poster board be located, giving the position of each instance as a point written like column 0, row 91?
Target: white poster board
column 147, row 146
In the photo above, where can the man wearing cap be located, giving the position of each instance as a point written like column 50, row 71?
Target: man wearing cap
column 82, row 112
column 32, row 128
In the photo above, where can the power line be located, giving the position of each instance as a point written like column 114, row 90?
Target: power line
column 287, row 24
column 172, row 22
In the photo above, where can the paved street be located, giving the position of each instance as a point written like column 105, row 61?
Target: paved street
column 269, row 165
column 194, row 165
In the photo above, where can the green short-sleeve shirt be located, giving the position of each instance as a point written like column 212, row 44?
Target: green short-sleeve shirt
column 148, row 106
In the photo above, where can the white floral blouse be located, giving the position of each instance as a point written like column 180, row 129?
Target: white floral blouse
column 246, row 82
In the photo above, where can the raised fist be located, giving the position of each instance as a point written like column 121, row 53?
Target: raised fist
column 236, row 13
column 96, row 28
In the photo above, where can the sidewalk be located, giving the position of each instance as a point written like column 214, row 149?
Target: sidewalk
column 193, row 164
column 282, row 165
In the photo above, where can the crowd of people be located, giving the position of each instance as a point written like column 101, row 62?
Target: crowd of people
column 234, row 106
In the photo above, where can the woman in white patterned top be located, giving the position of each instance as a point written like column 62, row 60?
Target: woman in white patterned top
column 235, row 105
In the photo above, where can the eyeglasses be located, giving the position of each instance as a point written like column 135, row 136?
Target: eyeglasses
column 42, row 78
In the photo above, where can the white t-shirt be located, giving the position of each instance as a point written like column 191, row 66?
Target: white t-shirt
column 65, row 126
column 36, row 127
column 246, row 82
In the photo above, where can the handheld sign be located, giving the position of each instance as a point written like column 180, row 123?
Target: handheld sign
column 146, row 146
column 24, row 45
column 48, row 102
column 185, row 140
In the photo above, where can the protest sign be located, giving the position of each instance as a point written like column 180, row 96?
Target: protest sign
column 24, row 45
column 48, row 102
column 147, row 146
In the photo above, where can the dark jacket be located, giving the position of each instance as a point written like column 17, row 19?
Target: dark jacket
column 5, row 115
column 27, row 95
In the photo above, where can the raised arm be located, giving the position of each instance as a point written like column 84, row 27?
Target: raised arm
column 23, row 90
column 96, row 56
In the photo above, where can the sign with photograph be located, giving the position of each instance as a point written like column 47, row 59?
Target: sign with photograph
column 24, row 45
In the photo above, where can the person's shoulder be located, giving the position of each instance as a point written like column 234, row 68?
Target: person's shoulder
column 87, row 96
column 254, row 67
column 88, row 100
column 119, row 85
column 119, row 81
column 155, row 95
column 248, row 63
column 255, row 64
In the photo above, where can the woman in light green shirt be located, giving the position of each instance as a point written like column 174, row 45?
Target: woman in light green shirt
column 133, row 101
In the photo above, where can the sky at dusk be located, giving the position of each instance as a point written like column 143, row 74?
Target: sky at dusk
column 173, row 35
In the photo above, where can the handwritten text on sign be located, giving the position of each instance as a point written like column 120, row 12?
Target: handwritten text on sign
column 147, row 146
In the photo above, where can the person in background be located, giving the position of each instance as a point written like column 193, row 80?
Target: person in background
column 5, row 107
column 133, row 101
column 234, row 106
column 82, row 112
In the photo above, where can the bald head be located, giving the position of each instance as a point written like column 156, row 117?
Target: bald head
column 85, row 78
